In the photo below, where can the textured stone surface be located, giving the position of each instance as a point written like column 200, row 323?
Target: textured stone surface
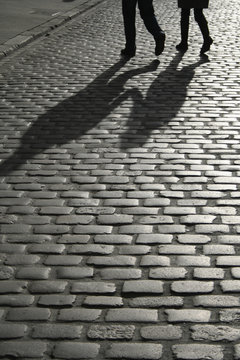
column 119, row 191
column 135, row 351
column 111, row 332
column 198, row 352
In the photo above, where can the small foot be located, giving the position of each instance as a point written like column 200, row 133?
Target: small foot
column 206, row 45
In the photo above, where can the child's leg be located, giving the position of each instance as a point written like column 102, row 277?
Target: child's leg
column 183, row 46
column 203, row 25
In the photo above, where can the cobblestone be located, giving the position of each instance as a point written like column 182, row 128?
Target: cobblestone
column 198, row 351
column 135, row 351
column 119, row 192
column 76, row 350
column 23, row 349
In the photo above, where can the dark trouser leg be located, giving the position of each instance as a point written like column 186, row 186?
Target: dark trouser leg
column 147, row 14
column 185, row 13
column 129, row 15
column 202, row 23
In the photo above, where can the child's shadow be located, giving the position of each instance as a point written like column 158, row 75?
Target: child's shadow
column 161, row 104
column 75, row 116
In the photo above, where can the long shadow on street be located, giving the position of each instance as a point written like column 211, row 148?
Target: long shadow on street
column 162, row 103
column 75, row 116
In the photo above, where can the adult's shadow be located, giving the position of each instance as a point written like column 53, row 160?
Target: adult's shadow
column 162, row 102
column 75, row 116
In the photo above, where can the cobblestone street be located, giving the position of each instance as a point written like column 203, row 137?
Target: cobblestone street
column 120, row 192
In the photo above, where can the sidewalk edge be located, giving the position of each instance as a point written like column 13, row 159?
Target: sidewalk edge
column 30, row 35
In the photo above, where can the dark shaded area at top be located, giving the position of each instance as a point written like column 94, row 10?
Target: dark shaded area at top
column 75, row 116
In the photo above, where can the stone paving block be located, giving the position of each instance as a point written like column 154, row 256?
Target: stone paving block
column 120, row 274
column 135, row 229
column 230, row 315
column 6, row 272
column 121, row 179
column 36, row 273
column 75, row 314
column 212, row 228
column 218, row 250
column 230, row 286
column 163, row 332
column 188, row 315
column 73, row 239
column 92, row 229
column 191, row 260
column 132, row 315
column 10, row 331
column 115, row 219
column 135, row 351
column 143, row 286
column 91, row 249
column 216, row 301
column 192, row 286
column 113, row 239
column 134, row 250
column 215, row 333
column 22, row 259
column 76, row 350
column 177, row 249
column 66, row 260
column 154, row 260
column 23, row 349
column 198, row 352
column 111, row 332
column 168, row 273
column 28, row 314
column 57, row 331
column 228, row 260
column 103, row 301
column 56, row 300
column 93, row 287
column 51, row 229
column 74, row 272
column 74, row 219
column 12, row 287
column 208, row 273
column 16, row 300
column 47, row 287
column 117, row 260
column 154, row 239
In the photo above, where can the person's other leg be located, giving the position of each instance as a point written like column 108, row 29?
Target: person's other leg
column 147, row 14
column 184, row 24
column 129, row 15
column 203, row 25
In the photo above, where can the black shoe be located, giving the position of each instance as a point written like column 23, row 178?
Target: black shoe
column 206, row 45
column 128, row 53
column 160, row 42
column 182, row 47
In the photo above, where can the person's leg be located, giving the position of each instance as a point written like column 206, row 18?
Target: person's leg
column 147, row 14
column 129, row 15
column 184, row 24
column 203, row 25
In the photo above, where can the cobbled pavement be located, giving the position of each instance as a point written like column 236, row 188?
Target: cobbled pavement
column 119, row 193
